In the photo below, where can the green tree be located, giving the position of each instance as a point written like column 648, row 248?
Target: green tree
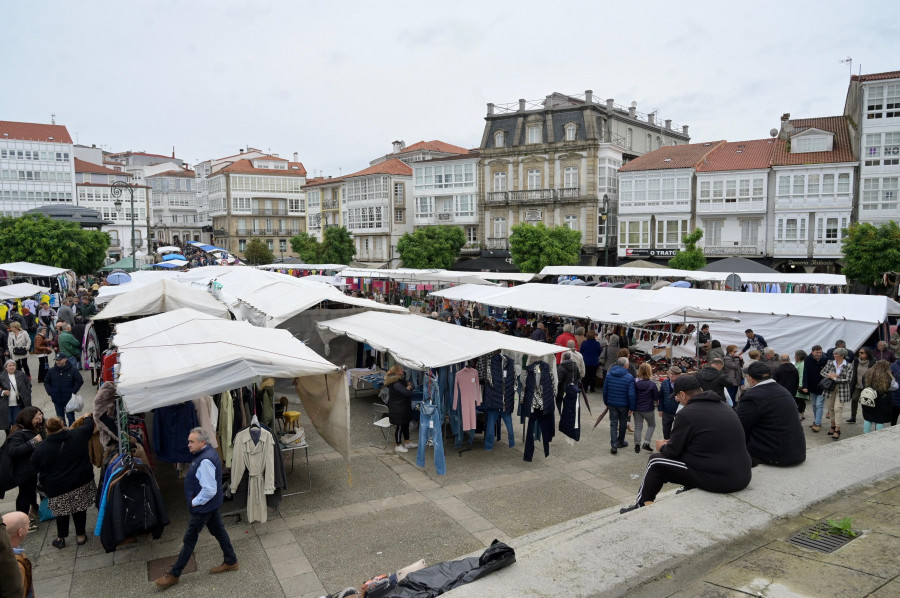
column 534, row 247
column 337, row 247
column 431, row 247
column 41, row 240
column 258, row 253
column 870, row 251
column 691, row 257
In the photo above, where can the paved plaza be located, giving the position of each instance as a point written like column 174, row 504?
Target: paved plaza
column 376, row 516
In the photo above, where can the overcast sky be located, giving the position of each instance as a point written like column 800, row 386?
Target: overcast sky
column 338, row 81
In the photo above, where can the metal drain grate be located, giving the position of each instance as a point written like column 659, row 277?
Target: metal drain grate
column 817, row 538
column 159, row 567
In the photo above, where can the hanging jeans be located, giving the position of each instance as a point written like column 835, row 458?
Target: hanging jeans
column 493, row 418
column 430, row 429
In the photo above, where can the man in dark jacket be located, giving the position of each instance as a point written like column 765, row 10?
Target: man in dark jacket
column 754, row 341
column 61, row 382
column 787, row 375
column 707, row 449
column 711, row 377
column 668, row 406
column 840, row 344
column 812, row 376
column 619, row 397
column 768, row 415
column 203, row 490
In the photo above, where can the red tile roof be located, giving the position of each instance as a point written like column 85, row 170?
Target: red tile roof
column 842, row 152
column 877, row 76
column 246, row 167
column 672, row 156
column 739, row 155
column 130, row 153
column 83, row 166
column 177, row 173
column 323, row 181
column 392, row 166
column 435, row 146
column 34, row 132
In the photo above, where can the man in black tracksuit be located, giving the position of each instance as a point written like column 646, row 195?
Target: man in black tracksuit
column 707, row 449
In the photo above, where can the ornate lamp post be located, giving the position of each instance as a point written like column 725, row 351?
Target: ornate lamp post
column 116, row 191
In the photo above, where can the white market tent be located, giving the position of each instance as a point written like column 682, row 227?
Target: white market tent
column 789, row 321
column 615, row 306
column 139, row 278
column 410, row 274
column 694, row 275
column 20, row 290
column 161, row 296
column 421, row 343
column 301, row 266
column 270, row 298
column 467, row 292
column 29, row 269
column 501, row 276
column 185, row 354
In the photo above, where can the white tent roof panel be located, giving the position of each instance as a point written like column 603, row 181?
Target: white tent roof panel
column 422, row 343
column 185, row 354
column 20, row 290
column 29, row 269
column 161, row 296
column 626, row 272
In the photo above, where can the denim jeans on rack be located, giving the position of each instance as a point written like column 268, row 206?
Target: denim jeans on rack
column 430, row 429
column 493, row 416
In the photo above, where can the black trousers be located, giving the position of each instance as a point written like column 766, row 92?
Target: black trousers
column 26, row 497
column 62, row 524
column 402, row 433
column 661, row 470
column 667, row 420
column 590, row 378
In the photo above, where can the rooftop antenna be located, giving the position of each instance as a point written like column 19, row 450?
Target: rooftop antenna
column 848, row 61
column 53, row 119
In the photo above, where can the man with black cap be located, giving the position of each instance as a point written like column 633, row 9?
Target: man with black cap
column 707, row 449
column 768, row 414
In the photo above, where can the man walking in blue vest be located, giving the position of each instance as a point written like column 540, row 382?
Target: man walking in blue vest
column 203, row 489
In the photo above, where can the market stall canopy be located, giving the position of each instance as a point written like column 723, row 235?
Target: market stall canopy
column 410, row 274
column 168, row 249
column 789, row 321
column 421, row 343
column 466, row 292
column 599, row 304
column 20, row 290
column 138, row 279
column 270, row 298
column 185, row 354
column 172, row 264
column 126, row 263
column 162, row 296
column 495, row 276
column 29, row 269
column 302, row 266
column 695, row 275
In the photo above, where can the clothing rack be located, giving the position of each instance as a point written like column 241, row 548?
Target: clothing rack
column 124, row 434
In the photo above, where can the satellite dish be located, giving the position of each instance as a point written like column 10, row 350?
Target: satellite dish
column 788, row 127
column 773, row 133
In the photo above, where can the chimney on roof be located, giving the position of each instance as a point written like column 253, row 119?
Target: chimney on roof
column 651, row 118
column 490, row 109
column 684, row 129
column 173, row 151
column 785, row 117
column 669, row 123
column 397, row 147
column 521, row 105
column 296, row 157
column 241, row 151
column 632, row 110
column 610, row 104
column 588, row 96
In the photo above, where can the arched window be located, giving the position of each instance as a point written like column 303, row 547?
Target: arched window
column 571, row 128
column 500, row 139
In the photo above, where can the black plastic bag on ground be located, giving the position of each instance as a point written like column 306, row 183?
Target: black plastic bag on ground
column 443, row 577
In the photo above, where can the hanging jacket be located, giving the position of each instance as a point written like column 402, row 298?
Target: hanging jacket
column 500, row 389
column 570, row 414
column 537, row 397
column 257, row 458
column 566, row 373
column 171, row 427
column 135, row 507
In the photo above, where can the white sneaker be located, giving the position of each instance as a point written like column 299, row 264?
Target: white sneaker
column 401, row 449
column 411, row 445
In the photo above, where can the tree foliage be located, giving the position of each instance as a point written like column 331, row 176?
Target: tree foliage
column 258, row 253
column 691, row 257
column 870, row 251
column 42, row 240
column 431, row 247
column 337, row 247
column 534, row 247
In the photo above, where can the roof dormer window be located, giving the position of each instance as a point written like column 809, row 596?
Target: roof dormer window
column 804, row 145
column 500, row 139
column 571, row 129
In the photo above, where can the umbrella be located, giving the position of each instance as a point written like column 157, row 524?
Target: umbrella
column 646, row 285
column 681, row 284
column 576, row 282
column 118, row 277
column 617, row 285
column 660, row 284
column 632, row 285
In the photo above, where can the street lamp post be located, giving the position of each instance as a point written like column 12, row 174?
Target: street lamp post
column 116, row 191
column 606, row 236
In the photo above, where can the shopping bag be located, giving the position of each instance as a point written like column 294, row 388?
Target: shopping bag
column 76, row 403
column 44, row 513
